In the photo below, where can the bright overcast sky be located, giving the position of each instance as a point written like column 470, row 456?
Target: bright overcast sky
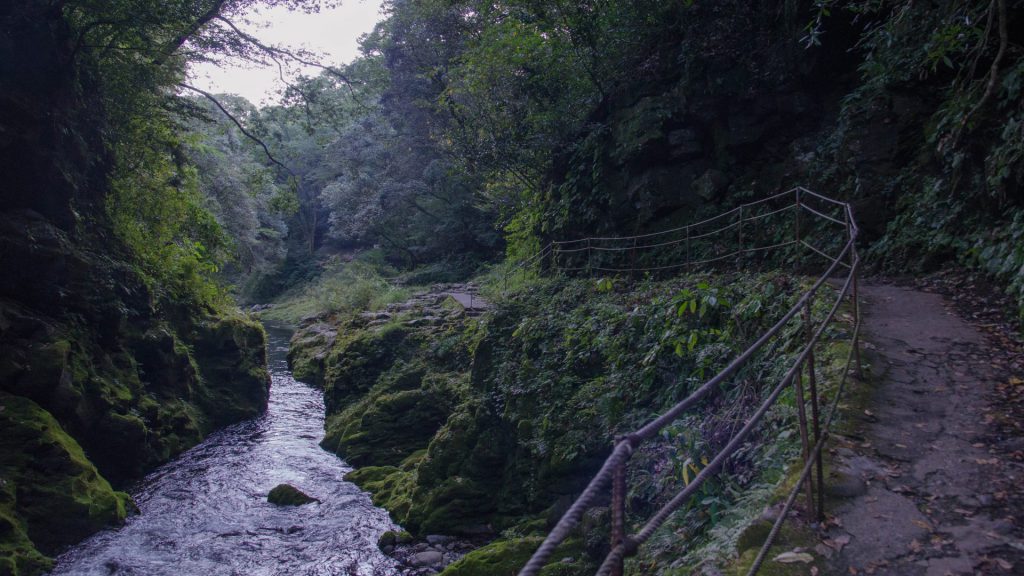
column 332, row 32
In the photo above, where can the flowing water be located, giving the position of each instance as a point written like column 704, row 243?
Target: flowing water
column 206, row 512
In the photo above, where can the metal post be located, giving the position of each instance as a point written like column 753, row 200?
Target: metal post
column 688, row 268
column 812, row 382
column 801, row 412
column 739, row 245
column 796, row 229
column 588, row 258
column 618, row 512
column 859, row 371
column 632, row 265
column 854, row 269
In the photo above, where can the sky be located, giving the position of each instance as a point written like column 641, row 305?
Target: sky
column 332, row 32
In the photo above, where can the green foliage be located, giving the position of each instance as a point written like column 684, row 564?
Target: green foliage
column 155, row 207
column 534, row 393
column 341, row 288
column 953, row 189
column 1000, row 253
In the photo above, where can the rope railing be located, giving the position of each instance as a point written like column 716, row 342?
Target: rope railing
column 813, row 434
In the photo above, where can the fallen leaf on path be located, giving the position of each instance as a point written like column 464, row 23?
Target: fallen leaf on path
column 793, row 557
column 923, row 524
column 1016, row 382
column 1004, row 564
column 987, row 461
column 837, row 543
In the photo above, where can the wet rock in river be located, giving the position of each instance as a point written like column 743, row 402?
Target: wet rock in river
column 288, row 495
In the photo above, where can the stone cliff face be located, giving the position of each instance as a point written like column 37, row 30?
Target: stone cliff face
column 98, row 384
column 484, row 426
column 731, row 106
column 100, row 379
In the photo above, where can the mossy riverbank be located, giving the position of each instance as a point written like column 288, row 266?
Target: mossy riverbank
column 488, row 427
column 100, row 381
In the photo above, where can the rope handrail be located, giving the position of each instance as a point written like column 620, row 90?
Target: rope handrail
column 613, row 469
column 682, row 228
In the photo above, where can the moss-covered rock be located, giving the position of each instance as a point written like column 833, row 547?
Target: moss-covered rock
column 506, row 557
column 489, row 426
column 359, row 358
column 51, row 495
column 288, row 495
column 391, row 538
column 386, row 429
column 132, row 377
column 308, row 350
column 231, row 355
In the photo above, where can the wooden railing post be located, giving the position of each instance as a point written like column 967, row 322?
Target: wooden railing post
column 739, row 244
column 632, row 264
column 812, row 383
column 858, row 370
column 801, row 413
column 589, row 273
column 796, row 229
column 618, row 531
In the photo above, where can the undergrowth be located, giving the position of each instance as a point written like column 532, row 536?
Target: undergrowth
column 342, row 287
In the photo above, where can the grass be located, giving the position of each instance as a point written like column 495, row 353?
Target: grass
column 343, row 287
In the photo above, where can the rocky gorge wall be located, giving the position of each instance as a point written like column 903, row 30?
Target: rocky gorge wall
column 99, row 383
column 487, row 427
column 102, row 375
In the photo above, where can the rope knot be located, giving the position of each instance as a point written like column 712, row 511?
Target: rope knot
column 629, row 547
column 630, row 440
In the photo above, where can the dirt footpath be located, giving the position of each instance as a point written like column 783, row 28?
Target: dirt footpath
column 924, row 481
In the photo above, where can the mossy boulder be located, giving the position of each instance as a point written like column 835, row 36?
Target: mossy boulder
column 308, row 351
column 109, row 372
column 359, row 358
column 391, row 538
column 288, row 495
column 51, row 495
column 506, row 557
column 231, row 354
column 386, row 429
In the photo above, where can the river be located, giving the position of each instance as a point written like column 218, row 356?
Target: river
column 206, row 513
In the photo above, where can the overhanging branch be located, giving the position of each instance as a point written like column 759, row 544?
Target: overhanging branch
column 238, row 124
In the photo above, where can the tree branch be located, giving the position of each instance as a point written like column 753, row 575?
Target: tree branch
column 993, row 77
column 175, row 43
column 240, row 127
column 286, row 53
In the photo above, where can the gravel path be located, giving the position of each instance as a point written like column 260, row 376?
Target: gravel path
column 926, row 484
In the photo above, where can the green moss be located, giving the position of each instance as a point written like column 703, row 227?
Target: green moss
column 388, row 428
column 506, row 557
column 288, row 495
column 499, row 558
column 392, row 537
column 772, row 568
column 308, row 351
column 53, row 495
column 484, row 426
column 390, row 488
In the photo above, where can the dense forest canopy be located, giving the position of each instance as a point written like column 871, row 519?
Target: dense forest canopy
column 465, row 125
column 139, row 209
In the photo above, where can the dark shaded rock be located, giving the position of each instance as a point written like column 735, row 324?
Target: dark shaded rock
column 288, row 495
column 50, row 495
